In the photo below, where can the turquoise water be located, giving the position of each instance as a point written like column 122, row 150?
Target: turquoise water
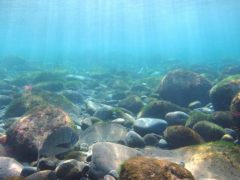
column 121, row 30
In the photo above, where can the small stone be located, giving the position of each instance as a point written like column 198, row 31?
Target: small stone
column 176, row 118
column 151, row 139
column 163, row 144
column 109, row 177
column 195, row 104
column 227, row 138
column 134, row 140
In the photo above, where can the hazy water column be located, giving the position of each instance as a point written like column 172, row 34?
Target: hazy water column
column 149, row 31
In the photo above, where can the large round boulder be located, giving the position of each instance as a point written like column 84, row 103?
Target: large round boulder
column 142, row 168
column 224, row 91
column 235, row 109
column 35, row 131
column 183, row 87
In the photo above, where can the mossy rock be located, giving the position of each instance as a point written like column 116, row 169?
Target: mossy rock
column 132, row 103
column 196, row 116
column 235, row 109
column 209, row 131
column 180, row 136
column 15, row 178
column 142, row 168
column 224, row 91
column 159, row 108
column 30, row 100
column 182, row 87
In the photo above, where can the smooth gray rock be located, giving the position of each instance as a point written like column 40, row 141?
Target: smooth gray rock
column 149, row 125
column 134, row 140
column 109, row 156
column 176, row 118
column 9, row 167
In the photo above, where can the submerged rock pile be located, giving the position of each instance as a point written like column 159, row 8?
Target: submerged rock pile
column 103, row 125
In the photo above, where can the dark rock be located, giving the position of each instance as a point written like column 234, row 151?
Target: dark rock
column 43, row 175
column 183, row 87
column 180, row 136
column 71, row 170
column 151, row 139
column 158, row 109
column 149, row 125
column 231, row 132
column 27, row 171
column 149, row 168
column 235, row 109
column 222, row 118
column 134, row 140
column 224, row 91
column 132, row 103
column 47, row 164
column 208, row 130
column 176, row 118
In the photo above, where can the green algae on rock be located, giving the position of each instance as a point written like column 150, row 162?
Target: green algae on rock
column 142, row 168
column 159, row 108
column 180, row 136
column 209, row 131
column 224, row 91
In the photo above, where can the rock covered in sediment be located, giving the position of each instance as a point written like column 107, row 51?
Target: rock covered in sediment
column 209, row 131
column 183, row 87
column 142, row 168
column 9, row 167
column 29, row 133
column 180, row 136
column 149, row 125
column 159, row 108
column 109, row 156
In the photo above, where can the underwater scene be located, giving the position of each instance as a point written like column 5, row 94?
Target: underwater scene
column 119, row 89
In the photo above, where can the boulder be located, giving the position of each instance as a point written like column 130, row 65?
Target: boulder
column 224, row 91
column 28, row 134
column 148, row 168
column 179, row 136
column 183, row 87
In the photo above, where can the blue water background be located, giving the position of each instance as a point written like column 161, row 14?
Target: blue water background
column 127, row 31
